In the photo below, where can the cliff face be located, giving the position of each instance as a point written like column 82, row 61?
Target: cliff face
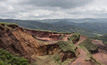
column 19, row 41
column 15, row 40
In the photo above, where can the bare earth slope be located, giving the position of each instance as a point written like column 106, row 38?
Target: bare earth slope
column 101, row 55
column 81, row 59
column 19, row 41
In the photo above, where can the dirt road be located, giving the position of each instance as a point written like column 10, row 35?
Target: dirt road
column 81, row 59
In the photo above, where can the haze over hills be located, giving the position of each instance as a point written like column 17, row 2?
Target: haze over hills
column 53, row 32
column 88, row 26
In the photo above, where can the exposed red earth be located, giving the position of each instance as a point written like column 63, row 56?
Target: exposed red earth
column 82, row 38
column 81, row 59
column 31, row 43
column 101, row 55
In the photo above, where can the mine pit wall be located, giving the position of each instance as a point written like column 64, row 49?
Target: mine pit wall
column 40, row 33
column 67, row 54
column 52, row 35
column 20, row 42
column 54, row 49
column 47, row 49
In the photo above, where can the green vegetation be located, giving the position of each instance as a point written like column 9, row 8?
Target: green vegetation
column 75, row 36
column 11, row 26
column 7, row 23
column 89, row 45
column 103, row 38
column 57, row 60
column 49, row 31
column 66, row 46
column 7, row 58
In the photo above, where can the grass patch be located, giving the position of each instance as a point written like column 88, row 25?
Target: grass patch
column 7, row 58
column 89, row 45
column 75, row 36
column 58, row 61
column 4, row 23
column 49, row 31
column 66, row 46
column 10, row 26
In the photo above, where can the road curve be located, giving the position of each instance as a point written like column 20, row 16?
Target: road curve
column 81, row 59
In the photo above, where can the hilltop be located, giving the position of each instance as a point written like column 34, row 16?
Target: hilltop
column 41, row 47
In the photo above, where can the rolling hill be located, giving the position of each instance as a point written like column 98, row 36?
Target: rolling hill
column 86, row 26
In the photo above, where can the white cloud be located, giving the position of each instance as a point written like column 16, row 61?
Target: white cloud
column 34, row 9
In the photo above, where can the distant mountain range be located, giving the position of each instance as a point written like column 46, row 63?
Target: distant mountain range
column 86, row 26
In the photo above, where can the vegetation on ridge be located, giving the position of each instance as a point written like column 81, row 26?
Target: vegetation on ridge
column 75, row 36
column 89, row 45
column 66, row 46
column 7, row 58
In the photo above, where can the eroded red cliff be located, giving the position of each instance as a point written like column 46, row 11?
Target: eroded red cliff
column 29, row 44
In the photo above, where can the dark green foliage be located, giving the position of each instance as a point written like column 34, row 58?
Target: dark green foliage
column 37, row 24
column 75, row 36
column 7, row 23
column 89, row 45
column 66, row 46
column 7, row 58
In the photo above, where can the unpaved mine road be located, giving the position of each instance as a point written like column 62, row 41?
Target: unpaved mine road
column 82, row 38
column 81, row 59
column 100, row 56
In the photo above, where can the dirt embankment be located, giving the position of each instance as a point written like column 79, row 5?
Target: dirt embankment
column 81, row 60
column 16, row 40
column 102, row 52
column 100, row 56
column 19, row 41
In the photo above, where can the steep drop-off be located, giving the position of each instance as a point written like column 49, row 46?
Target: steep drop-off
column 19, row 41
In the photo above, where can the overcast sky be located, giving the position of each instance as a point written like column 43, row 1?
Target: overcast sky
column 52, row 9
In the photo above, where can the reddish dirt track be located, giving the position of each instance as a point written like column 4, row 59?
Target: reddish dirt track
column 81, row 59
column 82, row 38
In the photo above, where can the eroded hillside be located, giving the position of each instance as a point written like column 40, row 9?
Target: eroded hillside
column 19, row 41
column 49, row 48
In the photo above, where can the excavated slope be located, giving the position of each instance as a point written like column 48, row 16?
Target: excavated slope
column 19, row 41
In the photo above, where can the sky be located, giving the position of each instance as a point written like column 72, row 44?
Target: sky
column 52, row 9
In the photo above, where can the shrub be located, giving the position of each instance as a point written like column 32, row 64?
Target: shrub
column 89, row 45
column 7, row 58
column 75, row 36
column 66, row 46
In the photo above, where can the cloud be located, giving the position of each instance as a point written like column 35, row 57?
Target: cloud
column 58, row 3
column 52, row 9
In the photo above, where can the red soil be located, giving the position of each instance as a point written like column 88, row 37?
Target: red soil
column 82, row 38
column 81, row 59
column 101, row 55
